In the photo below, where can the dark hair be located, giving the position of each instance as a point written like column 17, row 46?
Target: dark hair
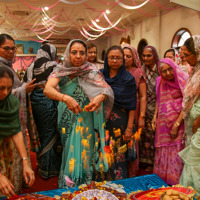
column 115, row 47
column 6, row 72
column 169, row 50
column 80, row 42
column 90, row 45
column 4, row 37
column 189, row 44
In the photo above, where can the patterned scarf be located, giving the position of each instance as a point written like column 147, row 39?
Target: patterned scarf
column 89, row 78
column 192, row 90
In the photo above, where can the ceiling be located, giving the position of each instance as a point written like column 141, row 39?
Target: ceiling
column 25, row 19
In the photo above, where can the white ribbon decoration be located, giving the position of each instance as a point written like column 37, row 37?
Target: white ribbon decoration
column 131, row 7
column 73, row 3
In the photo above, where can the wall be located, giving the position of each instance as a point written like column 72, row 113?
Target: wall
column 159, row 30
column 27, row 44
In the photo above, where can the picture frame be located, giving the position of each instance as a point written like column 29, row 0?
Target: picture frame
column 62, row 49
column 20, row 48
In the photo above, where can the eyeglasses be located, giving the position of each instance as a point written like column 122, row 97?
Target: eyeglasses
column 187, row 55
column 6, row 48
column 117, row 59
column 80, row 53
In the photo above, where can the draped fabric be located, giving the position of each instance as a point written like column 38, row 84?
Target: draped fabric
column 44, row 64
column 147, row 149
column 9, row 117
column 123, row 85
column 46, row 140
column 89, row 78
column 169, row 96
column 82, row 136
column 192, row 90
column 177, row 57
column 19, row 91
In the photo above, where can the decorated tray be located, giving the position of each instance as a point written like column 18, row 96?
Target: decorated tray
column 95, row 195
column 155, row 194
column 96, row 191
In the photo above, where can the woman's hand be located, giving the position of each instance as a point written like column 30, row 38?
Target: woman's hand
column 6, row 186
column 154, row 121
column 30, row 86
column 96, row 102
column 141, row 122
column 71, row 103
column 174, row 131
column 28, row 173
column 127, row 135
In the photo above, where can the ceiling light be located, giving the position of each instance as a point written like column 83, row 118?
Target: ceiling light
column 46, row 8
column 45, row 18
column 97, row 20
column 107, row 11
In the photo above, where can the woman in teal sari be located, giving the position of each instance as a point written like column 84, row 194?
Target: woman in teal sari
column 85, row 101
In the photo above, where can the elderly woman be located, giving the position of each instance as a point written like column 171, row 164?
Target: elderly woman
column 191, row 112
column 10, row 132
column 121, row 122
column 45, row 112
column 150, row 68
column 169, row 138
column 83, row 99
column 7, row 57
column 133, row 65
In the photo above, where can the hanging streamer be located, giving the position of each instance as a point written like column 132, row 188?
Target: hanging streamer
column 39, row 9
column 131, row 7
column 73, row 3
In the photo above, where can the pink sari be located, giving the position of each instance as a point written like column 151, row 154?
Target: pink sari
column 169, row 101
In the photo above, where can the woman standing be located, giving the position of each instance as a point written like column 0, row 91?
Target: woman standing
column 92, row 55
column 7, row 56
column 121, row 120
column 133, row 65
column 169, row 138
column 150, row 68
column 191, row 112
column 11, row 137
column 80, row 115
column 45, row 112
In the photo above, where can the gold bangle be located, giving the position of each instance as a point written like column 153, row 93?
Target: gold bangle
column 177, row 124
column 129, row 129
column 24, row 158
column 63, row 97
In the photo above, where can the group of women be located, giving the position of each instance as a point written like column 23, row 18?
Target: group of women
column 97, row 116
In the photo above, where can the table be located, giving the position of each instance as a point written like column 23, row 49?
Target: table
column 130, row 184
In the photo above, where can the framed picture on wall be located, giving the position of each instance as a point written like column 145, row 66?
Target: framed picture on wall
column 62, row 49
column 20, row 48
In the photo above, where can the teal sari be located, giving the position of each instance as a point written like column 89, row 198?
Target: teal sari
column 82, row 137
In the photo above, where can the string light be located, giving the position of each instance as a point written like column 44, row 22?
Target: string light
column 107, row 11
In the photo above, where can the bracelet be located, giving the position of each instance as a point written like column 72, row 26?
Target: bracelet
column 129, row 129
column 63, row 97
column 24, row 158
column 176, row 123
column 141, row 117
